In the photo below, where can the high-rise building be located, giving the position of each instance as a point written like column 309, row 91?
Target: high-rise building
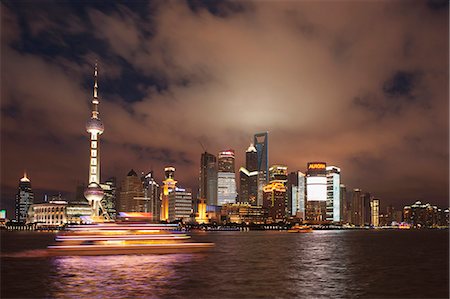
column 274, row 201
column 357, row 208
column 169, row 184
column 296, row 188
column 366, row 200
column 261, row 142
column 375, row 212
column 94, row 192
column 109, row 199
column 316, row 192
column 248, row 177
column 226, row 178
column 278, row 173
column 208, row 178
column 24, row 199
column 131, row 196
column 180, row 204
column 346, row 208
column 151, row 195
column 333, row 194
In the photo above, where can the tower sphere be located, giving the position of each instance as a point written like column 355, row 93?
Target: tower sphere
column 94, row 192
column 94, row 125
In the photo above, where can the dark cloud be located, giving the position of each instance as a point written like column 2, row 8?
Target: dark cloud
column 401, row 84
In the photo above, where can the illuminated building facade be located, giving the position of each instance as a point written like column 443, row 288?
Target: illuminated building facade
column 24, row 199
column 316, row 192
column 152, row 199
column 375, row 212
column 278, row 173
column 180, row 204
column 274, row 201
column 346, row 207
column 109, row 199
column 208, row 178
column 58, row 212
column 131, row 196
column 243, row 213
column 226, row 178
column 297, row 194
column 333, row 194
column 169, row 184
column 421, row 215
column 248, row 177
column 261, row 143
column 94, row 192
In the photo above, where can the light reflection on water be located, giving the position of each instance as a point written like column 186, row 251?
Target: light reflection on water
column 116, row 276
column 322, row 264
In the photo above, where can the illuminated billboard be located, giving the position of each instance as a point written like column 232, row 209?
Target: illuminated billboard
column 315, row 168
column 2, row 214
column 316, row 188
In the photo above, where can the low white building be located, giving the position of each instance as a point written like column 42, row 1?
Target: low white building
column 58, row 213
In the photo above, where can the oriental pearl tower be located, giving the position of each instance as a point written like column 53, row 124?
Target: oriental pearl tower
column 94, row 192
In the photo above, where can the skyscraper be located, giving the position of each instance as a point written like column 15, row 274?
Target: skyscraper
column 278, row 173
column 109, row 199
column 226, row 178
column 296, row 188
column 94, row 193
column 366, row 216
column 333, row 194
column 274, row 201
column 248, row 177
column 357, row 217
column 151, row 195
column 316, row 192
column 131, row 198
column 208, row 178
column 24, row 199
column 375, row 212
column 169, row 184
column 261, row 142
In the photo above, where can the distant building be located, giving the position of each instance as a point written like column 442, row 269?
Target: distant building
column 278, row 173
column 333, row 194
column 316, row 192
column 226, row 178
column 375, row 212
column 421, row 215
column 131, row 196
column 180, row 204
column 243, row 213
column 24, row 199
column 208, row 178
column 274, row 201
column 169, row 185
column 296, row 189
column 109, row 199
column 366, row 200
column 151, row 195
column 248, row 177
column 346, row 208
column 58, row 212
column 357, row 217
column 261, row 143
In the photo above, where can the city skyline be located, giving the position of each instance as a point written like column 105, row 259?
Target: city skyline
column 152, row 125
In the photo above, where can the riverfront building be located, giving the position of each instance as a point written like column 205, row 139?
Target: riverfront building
column 24, row 199
column 226, row 178
column 274, row 202
column 261, row 143
column 333, row 194
column 208, row 178
column 316, row 192
column 180, row 204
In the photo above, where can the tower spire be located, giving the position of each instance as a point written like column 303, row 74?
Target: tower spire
column 95, row 101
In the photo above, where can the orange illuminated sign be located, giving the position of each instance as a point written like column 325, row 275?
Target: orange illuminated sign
column 316, row 166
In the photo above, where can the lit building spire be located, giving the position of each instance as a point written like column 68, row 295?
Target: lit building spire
column 94, row 193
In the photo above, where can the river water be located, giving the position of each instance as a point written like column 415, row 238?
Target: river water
column 255, row 264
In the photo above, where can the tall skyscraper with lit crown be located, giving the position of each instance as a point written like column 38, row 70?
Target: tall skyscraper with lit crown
column 24, row 199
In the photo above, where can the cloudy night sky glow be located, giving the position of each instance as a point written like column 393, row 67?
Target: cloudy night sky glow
column 360, row 85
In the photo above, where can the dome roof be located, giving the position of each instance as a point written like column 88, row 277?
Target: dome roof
column 94, row 125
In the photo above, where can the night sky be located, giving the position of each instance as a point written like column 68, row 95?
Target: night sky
column 360, row 85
